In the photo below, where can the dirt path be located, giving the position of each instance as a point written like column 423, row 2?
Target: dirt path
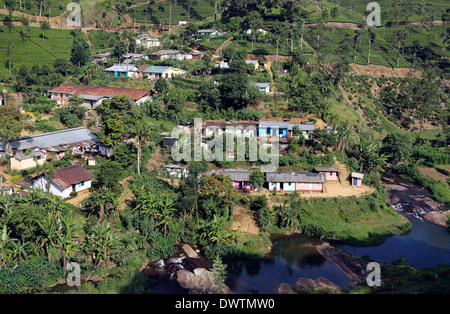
column 219, row 50
column 156, row 161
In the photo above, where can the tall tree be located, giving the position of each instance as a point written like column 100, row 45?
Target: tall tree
column 44, row 25
column 372, row 37
column 11, row 123
column 80, row 53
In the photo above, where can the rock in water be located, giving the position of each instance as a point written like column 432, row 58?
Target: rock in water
column 189, row 251
column 284, row 288
column 321, row 284
column 201, row 281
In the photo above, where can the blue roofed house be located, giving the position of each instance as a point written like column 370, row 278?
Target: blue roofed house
column 122, row 70
column 167, row 72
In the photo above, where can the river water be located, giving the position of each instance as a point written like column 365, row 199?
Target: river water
column 426, row 245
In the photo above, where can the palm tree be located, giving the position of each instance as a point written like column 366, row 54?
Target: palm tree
column 166, row 207
column 19, row 250
column 25, row 22
column 6, row 246
column 66, row 229
column 44, row 25
column 142, row 130
column 99, row 242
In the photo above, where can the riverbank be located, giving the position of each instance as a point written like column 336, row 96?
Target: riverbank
column 416, row 200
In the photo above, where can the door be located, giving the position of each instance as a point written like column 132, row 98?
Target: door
column 310, row 186
column 355, row 181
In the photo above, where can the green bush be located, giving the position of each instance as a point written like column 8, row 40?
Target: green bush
column 16, row 178
column 32, row 274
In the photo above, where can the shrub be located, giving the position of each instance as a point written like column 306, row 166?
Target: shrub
column 16, row 178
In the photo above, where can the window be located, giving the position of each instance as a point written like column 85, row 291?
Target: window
column 81, row 184
column 331, row 173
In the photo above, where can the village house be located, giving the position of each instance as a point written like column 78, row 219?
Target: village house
column 101, row 58
column 260, row 30
column 176, row 171
column 208, row 32
column 262, row 87
column 93, row 96
column 305, row 127
column 166, row 54
column 155, row 72
column 147, row 41
column 53, row 141
column 130, row 57
column 65, row 181
column 240, row 177
column 356, row 179
column 255, row 63
column 291, row 181
column 28, row 161
column 331, row 174
column 122, row 70
column 273, row 129
column 216, row 128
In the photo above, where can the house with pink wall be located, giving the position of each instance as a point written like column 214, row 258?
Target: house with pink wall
column 331, row 174
column 240, row 177
column 356, row 179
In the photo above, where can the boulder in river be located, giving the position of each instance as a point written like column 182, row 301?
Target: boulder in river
column 189, row 251
column 321, row 284
column 200, row 281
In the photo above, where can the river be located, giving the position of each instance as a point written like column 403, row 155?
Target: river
column 293, row 257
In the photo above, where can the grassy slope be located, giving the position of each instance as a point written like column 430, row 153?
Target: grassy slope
column 35, row 51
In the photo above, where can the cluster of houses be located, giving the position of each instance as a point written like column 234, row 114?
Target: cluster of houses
column 93, row 96
column 280, row 181
column 280, row 129
column 149, row 71
column 33, row 151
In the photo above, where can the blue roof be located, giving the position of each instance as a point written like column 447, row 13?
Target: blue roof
column 156, row 69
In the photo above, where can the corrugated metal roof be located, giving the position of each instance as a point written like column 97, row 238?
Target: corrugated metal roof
column 156, row 69
column 50, row 140
column 65, row 177
column 321, row 169
column 274, row 124
column 104, row 91
column 121, row 68
column 295, row 176
column 238, row 175
column 303, row 127
column 357, row 175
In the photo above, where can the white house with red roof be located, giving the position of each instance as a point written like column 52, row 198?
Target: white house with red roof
column 65, row 181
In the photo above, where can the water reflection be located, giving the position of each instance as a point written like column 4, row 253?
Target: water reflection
column 291, row 258
column 426, row 245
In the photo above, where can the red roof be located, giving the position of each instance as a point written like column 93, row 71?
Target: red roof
column 65, row 177
column 100, row 91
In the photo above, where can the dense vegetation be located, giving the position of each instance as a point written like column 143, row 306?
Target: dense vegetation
column 134, row 214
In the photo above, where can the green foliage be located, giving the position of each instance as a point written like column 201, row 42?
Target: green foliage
column 71, row 116
column 219, row 271
column 32, row 274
